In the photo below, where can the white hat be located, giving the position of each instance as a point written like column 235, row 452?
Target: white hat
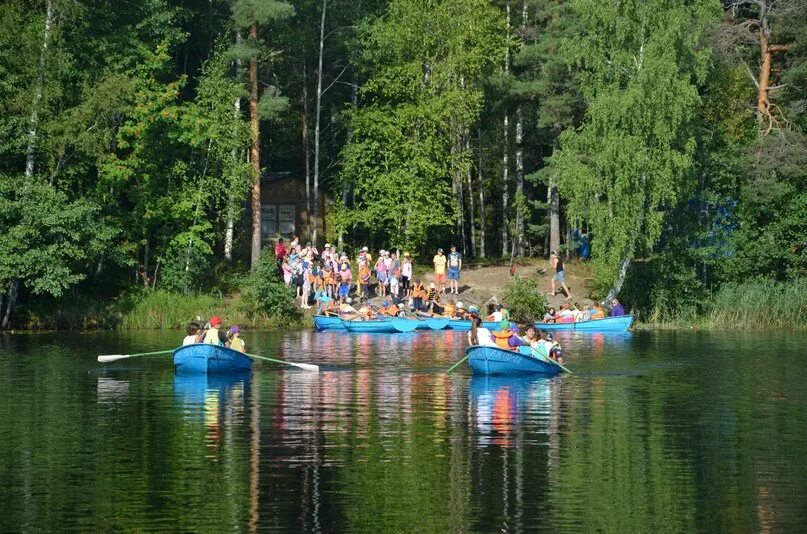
column 348, row 300
column 364, row 249
column 431, row 286
column 460, row 305
column 327, row 245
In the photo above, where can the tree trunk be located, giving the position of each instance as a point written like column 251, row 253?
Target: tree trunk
column 471, row 214
column 146, row 253
column 30, row 153
column 553, row 202
column 765, row 64
column 255, row 153
column 620, row 279
column 354, row 104
column 481, row 201
column 505, row 146
column 318, row 112
column 306, row 152
column 519, row 182
column 231, row 204
column 13, row 290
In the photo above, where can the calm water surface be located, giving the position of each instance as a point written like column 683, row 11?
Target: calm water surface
column 672, row 432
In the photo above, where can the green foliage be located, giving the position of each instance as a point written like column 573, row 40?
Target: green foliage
column 265, row 292
column 245, row 12
column 424, row 63
column 47, row 240
column 525, row 300
column 632, row 158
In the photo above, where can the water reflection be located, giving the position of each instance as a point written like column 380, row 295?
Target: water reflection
column 677, row 431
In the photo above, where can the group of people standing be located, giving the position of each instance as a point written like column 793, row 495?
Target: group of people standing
column 330, row 273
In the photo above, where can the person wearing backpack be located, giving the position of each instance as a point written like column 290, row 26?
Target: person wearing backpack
column 454, row 267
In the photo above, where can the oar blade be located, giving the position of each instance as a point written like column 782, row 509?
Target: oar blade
column 306, row 366
column 112, row 357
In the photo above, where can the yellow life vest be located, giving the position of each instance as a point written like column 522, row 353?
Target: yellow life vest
column 212, row 337
column 238, row 344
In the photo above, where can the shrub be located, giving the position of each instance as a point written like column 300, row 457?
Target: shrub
column 264, row 292
column 524, row 299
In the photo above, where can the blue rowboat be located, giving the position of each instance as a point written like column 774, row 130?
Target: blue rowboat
column 203, row 358
column 459, row 324
column 327, row 322
column 494, row 325
column 380, row 326
column 606, row 324
column 496, row 361
column 437, row 323
column 402, row 324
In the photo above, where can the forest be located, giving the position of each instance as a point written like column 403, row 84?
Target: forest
column 670, row 134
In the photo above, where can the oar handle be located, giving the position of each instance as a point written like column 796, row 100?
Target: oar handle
column 456, row 364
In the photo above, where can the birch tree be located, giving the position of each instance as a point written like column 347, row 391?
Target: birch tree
column 626, row 165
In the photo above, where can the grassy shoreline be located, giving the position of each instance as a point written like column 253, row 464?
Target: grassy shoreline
column 758, row 305
column 152, row 310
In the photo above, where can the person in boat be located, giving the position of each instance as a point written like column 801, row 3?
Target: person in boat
column 529, row 336
column 550, row 316
column 478, row 335
column 497, row 316
column 214, row 336
column 193, row 331
column 435, row 306
column 345, row 308
column 586, row 313
column 367, row 312
column 567, row 314
column 598, row 312
column 555, row 351
column 325, row 304
column 389, row 310
column 450, row 310
column 418, row 292
column 616, row 309
column 234, row 340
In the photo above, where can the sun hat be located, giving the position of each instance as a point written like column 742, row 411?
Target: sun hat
column 460, row 305
column 431, row 286
column 215, row 320
column 406, row 254
column 473, row 309
column 327, row 245
column 234, row 330
column 364, row 249
column 349, row 300
column 439, row 250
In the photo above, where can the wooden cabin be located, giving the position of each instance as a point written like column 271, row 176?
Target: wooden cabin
column 283, row 209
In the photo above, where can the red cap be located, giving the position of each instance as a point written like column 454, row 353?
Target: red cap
column 215, row 320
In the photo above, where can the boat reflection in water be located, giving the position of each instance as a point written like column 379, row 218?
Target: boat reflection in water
column 498, row 404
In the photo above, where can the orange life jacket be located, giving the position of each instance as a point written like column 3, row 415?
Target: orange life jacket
column 502, row 338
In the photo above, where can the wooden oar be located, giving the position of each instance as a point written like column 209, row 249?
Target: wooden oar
column 112, row 357
column 306, row 366
column 456, row 364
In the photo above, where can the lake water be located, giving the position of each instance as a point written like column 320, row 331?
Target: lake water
column 654, row 431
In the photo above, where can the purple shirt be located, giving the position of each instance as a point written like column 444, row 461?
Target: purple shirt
column 618, row 310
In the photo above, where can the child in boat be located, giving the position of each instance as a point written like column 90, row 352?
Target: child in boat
column 479, row 335
column 234, row 339
column 192, row 332
column 214, row 336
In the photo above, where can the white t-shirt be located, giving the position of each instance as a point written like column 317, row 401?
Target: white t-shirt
column 484, row 337
column 497, row 316
column 189, row 340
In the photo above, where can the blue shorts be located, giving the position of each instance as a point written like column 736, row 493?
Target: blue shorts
column 558, row 277
column 453, row 273
column 344, row 289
